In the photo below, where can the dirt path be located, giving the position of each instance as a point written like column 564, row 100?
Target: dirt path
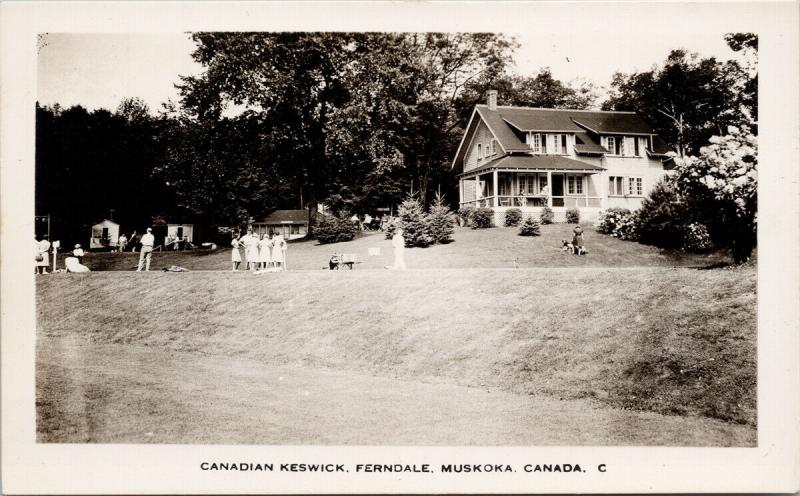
column 133, row 394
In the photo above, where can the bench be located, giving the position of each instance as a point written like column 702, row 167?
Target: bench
column 342, row 260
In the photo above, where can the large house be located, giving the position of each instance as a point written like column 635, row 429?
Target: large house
column 530, row 158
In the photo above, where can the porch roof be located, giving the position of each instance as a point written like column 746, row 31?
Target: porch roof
column 535, row 162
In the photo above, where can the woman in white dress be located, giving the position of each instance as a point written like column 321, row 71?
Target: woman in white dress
column 264, row 246
column 236, row 257
column 251, row 250
column 44, row 252
column 278, row 251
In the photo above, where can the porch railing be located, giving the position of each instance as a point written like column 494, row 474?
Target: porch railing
column 536, row 201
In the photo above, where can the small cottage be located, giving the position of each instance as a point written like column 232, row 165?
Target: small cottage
column 292, row 224
column 182, row 233
column 105, row 235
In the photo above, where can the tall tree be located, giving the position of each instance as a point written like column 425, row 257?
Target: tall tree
column 687, row 98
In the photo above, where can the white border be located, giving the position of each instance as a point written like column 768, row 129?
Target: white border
column 91, row 469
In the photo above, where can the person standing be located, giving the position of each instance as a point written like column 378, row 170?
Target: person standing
column 251, row 250
column 146, row 253
column 278, row 251
column 78, row 253
column 122, row 242
column 236, row 257
column 264, row 251
column 399, row 245
column 43, row 260
column 134, row 241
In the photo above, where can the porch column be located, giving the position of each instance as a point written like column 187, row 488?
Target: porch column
column 586, row 188
column 494, row 180
column 550, row 188
column 460, row 191
column 478, row 190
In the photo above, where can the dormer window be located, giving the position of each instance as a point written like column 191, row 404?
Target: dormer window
column 535, row 141
column 480, row 151
column 611, row 145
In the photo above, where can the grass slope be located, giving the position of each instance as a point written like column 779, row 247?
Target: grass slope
column 641, row 339
column 491, row 248
column 163, row 396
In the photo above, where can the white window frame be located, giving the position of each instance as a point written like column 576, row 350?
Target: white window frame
column 480, row 151
column 574, row 184
column 611, row 145
column 556, row 143
column 536, row 143
column 631, row 186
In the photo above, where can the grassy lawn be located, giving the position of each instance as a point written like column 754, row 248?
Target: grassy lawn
column 488, row 248
column 650, row 340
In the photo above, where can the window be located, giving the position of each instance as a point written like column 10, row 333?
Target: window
column 492, row 149
column 527, row 184
column 564, row 144
column 480, row 151
column 556, row 144
column 611, row 145
column 623, row 186
column 574, row 185
column 542, row 182
column 635, row 186
column 636, row 149
column 622, row 141
column 536, row 143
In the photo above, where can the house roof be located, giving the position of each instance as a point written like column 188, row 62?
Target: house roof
column 585, row 144
column 536, row 162
column 284, row 216
column 508, row 125
column 660, row 147
column 105, row 221
column 507, row 138
column 612, row 122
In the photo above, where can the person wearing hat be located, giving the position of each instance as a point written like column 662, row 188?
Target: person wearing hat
column 78, row 253
column 147, row 250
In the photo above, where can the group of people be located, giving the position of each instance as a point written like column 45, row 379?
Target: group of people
column 42, row 247
column 262, row 252
column 370, row 223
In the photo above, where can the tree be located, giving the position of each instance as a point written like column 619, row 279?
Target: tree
column 441, row 221
column 722, row 184
column 687, row 99
column 98, row 164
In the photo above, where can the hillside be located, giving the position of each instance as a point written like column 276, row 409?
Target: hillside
column 673, row 341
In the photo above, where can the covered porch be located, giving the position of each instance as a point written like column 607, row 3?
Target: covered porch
column 531, row 183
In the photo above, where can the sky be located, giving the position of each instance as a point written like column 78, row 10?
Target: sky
column 99, row 70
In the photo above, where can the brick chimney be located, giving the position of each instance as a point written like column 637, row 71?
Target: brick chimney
column 491, row 99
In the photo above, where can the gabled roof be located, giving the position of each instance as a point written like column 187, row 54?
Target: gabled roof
column 508, row 140
column 503, row 122
column 284, row 216
column 536, row 162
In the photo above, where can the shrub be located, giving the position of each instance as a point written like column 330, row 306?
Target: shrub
column 662, row 219
column 332, row 229
column 482, row 218
column 465, row 215
column 412, row 219
column 620, row 223
column 573, row 215
column 610, row 218
column 530, row 227
column 440, row 221
column 513, row 217
column 547, row 215
column 696, row 238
